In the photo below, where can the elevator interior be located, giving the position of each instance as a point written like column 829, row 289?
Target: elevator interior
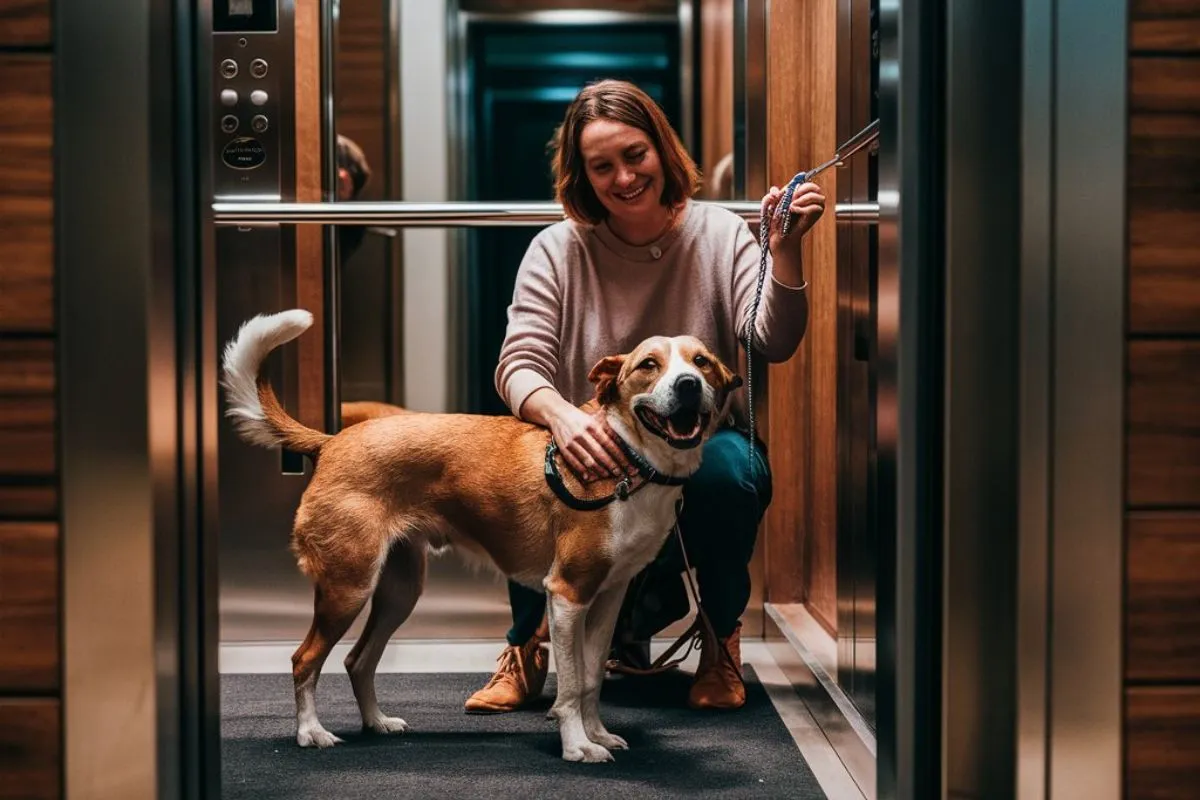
column 416, row 315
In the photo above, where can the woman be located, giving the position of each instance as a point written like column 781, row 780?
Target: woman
column 637, row 257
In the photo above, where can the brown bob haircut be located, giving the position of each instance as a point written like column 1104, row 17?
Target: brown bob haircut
column 618, row 101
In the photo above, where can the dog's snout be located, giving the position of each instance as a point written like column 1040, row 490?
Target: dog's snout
column 687, row 389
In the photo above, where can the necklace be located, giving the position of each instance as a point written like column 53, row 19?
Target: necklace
column 670, row 223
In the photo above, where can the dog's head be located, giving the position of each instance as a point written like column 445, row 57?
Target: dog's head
column 670, row 390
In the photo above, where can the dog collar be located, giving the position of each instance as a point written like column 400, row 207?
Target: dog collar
column 624, row 488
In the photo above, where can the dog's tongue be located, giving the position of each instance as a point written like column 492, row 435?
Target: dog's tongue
column 684, row 425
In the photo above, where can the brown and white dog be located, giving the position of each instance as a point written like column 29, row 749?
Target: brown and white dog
column 394, row 485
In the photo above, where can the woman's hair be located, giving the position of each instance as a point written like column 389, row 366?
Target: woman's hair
column 618, row 101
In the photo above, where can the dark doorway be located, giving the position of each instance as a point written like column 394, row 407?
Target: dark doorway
column 520, row 77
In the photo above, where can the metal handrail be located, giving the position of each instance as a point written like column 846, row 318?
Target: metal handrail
column 453, row 214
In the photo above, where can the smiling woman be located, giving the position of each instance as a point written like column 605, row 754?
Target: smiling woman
column 638, row 258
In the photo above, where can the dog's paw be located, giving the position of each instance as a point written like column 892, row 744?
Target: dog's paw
column 588, row 753
column 387, row 725
column 316, row 737
column 609, row 740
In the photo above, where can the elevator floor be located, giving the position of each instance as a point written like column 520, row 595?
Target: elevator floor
column 674, row 751
column 770, row 748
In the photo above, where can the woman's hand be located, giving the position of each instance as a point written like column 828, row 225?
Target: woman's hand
column 808, row 204
column 587, row 444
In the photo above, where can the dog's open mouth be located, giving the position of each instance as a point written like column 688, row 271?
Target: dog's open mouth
column 681, row 429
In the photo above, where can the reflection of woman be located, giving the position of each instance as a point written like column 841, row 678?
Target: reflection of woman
column 353, row 172
column 637, row 257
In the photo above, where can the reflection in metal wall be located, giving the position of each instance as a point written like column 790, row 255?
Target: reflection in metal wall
column 857, row 544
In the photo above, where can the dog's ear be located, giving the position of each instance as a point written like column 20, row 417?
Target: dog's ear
column 730, row 383
column 604, row 375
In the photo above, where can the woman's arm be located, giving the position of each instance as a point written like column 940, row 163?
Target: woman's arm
column 782, row 316
column 528, row 365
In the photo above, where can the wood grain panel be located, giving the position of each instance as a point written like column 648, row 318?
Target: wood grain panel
column 1162, row 605
column 362, row 94
column 27, row 412
column 716, row 91
column 802, row 521
column 1164, row 84
column 26, row 194
column 1164, row 267
column 29, row 607
column 30, row 749
column 1165, row 35
column 29, row 501
column 25, row 23
column 658, row 6
column 310, row 270
column 1163, row 424
column 1162, row 743
column 1151, row 9
column 1164, row 223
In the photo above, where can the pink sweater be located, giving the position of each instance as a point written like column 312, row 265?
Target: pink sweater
column 582, row 293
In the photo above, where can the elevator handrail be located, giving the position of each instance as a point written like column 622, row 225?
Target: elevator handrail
column 453, row 214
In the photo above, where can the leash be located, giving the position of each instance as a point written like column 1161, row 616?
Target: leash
column 854, row 144
column 701, row 627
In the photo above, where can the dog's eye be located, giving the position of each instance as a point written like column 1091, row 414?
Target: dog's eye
column 700, row 361
column 648, row 363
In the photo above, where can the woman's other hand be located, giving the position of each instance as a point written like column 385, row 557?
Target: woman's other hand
column 808, row 204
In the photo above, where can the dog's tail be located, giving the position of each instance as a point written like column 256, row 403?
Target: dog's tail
column 253, row 406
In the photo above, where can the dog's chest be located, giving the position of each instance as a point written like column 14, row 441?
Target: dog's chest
column 640, row 525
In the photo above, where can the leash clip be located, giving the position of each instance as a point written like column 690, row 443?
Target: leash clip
column 622, row 489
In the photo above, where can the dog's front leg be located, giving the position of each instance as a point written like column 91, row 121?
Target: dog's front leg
column 567, row 637
column 601, row 622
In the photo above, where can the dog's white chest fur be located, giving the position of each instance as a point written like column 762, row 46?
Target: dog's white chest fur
column 639, row 527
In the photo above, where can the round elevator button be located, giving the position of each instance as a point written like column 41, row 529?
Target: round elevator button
column 259, row 97
column 258, row 68
column 229, row 123
column 229, row 68
column 259, row 124
column 229, row 97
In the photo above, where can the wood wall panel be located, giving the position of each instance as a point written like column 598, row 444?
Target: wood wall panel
column 1164, row 264
column 716, row 92
column 26, row 193
column 1162, row 627
column 361, row 91
column 29, row 607
column 1162, row 598
column 30, row 749
column 1164, row 84
column 1163, row 416
column 802, row 520
column 25, row 23
column 1162, row 743
column 310, row 248
column 657, row 6
column 27, row 412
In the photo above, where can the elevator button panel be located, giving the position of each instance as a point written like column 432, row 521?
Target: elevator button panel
column 251, row 89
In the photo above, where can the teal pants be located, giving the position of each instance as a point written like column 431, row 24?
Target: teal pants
column 723, row 504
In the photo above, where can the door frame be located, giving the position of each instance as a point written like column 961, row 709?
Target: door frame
column 137, row 600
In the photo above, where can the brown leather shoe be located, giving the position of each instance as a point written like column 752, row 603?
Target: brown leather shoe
column 519, row 677
column 718, row 683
